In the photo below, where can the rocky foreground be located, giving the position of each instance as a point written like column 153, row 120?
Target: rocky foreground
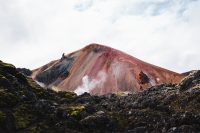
column 26, row 107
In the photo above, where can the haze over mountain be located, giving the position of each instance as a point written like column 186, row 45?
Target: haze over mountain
column 100, row 69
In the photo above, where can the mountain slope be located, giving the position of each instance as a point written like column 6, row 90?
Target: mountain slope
column 25, row 107
column 99, row 70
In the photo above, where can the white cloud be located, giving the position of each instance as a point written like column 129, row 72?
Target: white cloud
column 162, row 32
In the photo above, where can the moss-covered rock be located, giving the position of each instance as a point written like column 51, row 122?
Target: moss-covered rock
column 70, row 95
column 33, row 84
column 7, row 99
column 8, row 68
column 2, row 116
column 120, row 119
column 22, row 116
column 4, row 82
column 75, row 110
column 196, row 87
column 26, row 107
column 121, row 94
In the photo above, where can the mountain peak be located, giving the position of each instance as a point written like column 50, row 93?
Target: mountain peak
column 99, row 69
column 97, row 47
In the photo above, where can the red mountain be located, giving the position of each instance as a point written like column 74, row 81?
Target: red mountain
column 99, row 70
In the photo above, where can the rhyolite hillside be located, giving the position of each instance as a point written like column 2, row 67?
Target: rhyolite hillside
column 99, row 69
column 26, row 107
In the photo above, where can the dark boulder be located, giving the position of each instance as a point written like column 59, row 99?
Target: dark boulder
column 25, row 71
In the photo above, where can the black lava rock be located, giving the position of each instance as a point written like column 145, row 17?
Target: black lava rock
column 26, row 107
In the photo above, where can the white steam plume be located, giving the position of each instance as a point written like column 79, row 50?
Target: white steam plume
column 89, row 84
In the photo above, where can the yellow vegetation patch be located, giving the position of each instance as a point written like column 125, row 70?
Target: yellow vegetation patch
column 75, row 110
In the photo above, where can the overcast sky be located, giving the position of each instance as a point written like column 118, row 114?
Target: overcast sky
column 162, row 32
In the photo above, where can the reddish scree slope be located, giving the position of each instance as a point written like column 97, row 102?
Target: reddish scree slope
column 99, row 70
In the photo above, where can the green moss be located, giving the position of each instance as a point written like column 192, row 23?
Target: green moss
column 33, row 130
column 43, row 125
column 39, row 127
column 2, row 77
column 175, row 107
column 7, row 99
column 196, row 87
column 4, row 82
column 75, row 110
column 7, row 68
column 121, row 94
column 2, row 116
column 41, row 92
column 70, row 95
column 32, row 83
column 2, row 64
column 119, row 118
column 22, row 116
column 21, row 78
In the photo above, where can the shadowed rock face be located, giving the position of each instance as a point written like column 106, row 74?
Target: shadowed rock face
column 25, row 71
column 99, row 70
